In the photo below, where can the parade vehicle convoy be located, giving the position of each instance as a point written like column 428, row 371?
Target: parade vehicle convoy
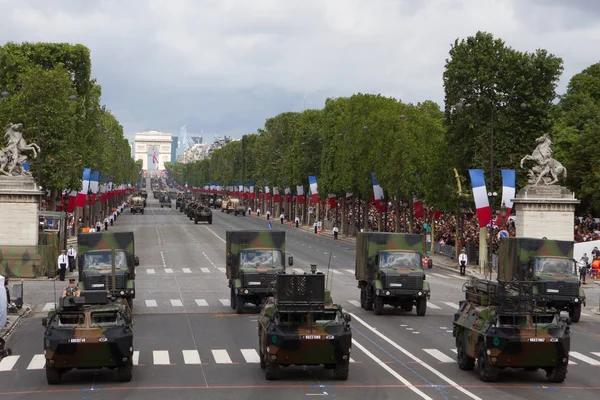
column 91, row 331
column 108, row 263
column 165, row 200
column 389, row 270
column 550, row 265
column 137, row 205
column 203, row 213
column 302, row 326
column 253, row 259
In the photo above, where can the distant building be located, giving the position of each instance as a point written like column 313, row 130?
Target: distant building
column 174, row 146
column 201, row 151
column 153, row 148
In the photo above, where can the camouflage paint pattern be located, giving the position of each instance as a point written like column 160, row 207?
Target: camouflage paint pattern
column 203, row 213
column 368, row 244
column 236, row 241
column 496, row 326
column 31, row 261
column 89, row 344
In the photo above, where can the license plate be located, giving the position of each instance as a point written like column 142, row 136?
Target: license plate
column 311, row 337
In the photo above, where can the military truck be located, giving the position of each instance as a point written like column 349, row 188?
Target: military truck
column 228, row 204
column 503, row 325
column 202, row 213
column 389, row 270
column 253, row 260
column 165, row 200
column 217, row 201
column 137, row 205
column 301, row 325
column 548, row 263
column 89, row 332
column 144, row 195
column 108, row 263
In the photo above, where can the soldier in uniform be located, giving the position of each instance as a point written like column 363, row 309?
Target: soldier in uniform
column 63, row 261
column 71, row 290
column 71, row 254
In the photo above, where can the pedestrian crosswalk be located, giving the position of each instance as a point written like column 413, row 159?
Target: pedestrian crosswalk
column 222, row 356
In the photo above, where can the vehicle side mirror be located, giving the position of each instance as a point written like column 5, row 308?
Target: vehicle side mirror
column 44, row 322
column 136, row 261
column 291, row 260
column 347, row 317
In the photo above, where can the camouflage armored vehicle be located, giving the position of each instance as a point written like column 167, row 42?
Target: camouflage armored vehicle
column 548, row 263
column 108, row 263
column 301, row 325
column 178, row 202
column 217, row 202
column 144, row 195
column 165, row 200
column 389, row 270
column 137, row 205
column 502, row 325
column 89, row 332
column 253, row 260
column 202, row 213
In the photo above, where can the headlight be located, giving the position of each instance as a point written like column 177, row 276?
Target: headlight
column 246, row 291
column 122, row 293
column 420, row 293
column 387, row 293
column 576, row 300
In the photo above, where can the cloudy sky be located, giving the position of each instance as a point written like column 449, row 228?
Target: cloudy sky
column 224, row 66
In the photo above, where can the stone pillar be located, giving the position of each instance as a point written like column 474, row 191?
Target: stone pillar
column 19, row 202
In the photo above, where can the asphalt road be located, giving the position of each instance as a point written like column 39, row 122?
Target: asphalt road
column 189, row 343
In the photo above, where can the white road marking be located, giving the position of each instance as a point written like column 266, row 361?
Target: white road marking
column 350, row 271
column 355, row 303
column 37, row 362
column 48, row 307
column 298, row 271
column 584, row 358
column 416, row 333
column 136, row 357
column 225, row 302
column 250, row 355
column 391, row 371
column 443, row 327
column 161, row 357
column 433, row 306
column 572, row 362
column 450, row 304
column 416, row 359
column 176, row 303
column 168, row 270
column 191, row 357
column 440, row 275
column 8, row 362
column 335, row 271
column 223, row 270
column 205, row 270
column 221, row 357
column 586, row 315
column 187, row 271
column 151, row 303
column 213, row 232
column 439, row 355
column 352, row 360
column 201, row 302
column 458, row 276
column 150, row 271
column 409, row 329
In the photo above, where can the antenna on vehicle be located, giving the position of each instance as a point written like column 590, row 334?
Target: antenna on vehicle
column 328, row 269
column 55, row 299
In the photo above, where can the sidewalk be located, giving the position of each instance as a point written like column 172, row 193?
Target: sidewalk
column 13, row 320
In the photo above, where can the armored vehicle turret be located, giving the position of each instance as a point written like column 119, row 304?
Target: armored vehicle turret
column 502, row 325
column 89, row 332
column 301, row 325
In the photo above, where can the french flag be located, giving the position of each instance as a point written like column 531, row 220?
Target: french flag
column 251, row 189
column 484, row 213
column 82, row 195
column 276, row 194
column 312, row 181
column 300, row 193
column 377, row 192
column 72, row 200
column 508, row 190
column 94, row 178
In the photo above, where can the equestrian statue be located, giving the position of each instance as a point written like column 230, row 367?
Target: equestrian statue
column 548, row 169
column 12, row 157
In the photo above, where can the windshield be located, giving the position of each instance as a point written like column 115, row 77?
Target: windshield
column 103, row 260
column 399, row 259
column 70, row 320
column 548, row 265
column 260, row 258
column 105, row 318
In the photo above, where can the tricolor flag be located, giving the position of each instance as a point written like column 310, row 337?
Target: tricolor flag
column 300, row 193
column 484, row 213
column 508, row 191
column 154, row 158
column 276, row 194
column 312, row 181
column 332, row 198
column 94, row 177
column 377, row 191
column 251, row 189
column 85, row 183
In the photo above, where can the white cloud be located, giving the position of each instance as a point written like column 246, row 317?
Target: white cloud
column 226, row 65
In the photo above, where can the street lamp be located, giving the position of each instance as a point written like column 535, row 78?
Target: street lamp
column 65, row 210
column 491, row 195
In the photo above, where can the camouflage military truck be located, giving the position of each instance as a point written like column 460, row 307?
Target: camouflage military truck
column 144, row 195
column 239, row 208
column 550, row 264
column 202, row 213
column 301, row 325
column 137, row 205
column 228, row 204
column 89, row 332
column 253, row 260
column 165, row 200
column 389, row 270
column 502, row 325
column 108, row 263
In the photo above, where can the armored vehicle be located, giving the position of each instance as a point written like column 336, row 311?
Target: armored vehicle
column 89, row 332
column 217, row 202
column 548, row 263
column 389, row 270
column 137, row 205
column 301, row 325
column 178, row 202
column 165, row 200
column 501, row 325
column 203, row 213
column 144, row 195
column 253, row 260
column 108, row 263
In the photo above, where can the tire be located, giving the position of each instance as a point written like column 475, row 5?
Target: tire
column 142, row 212
column 239, row 304
column 575, row 313
column 271, row 370
column 232, row 299
column 465, row 362
column 53, row 375
column 196, row 221
column 557, row 374
column 362, row 298
column 368, row 298
column 125, row 372
column 421, row 306
column 487, row 373
column 210, row 221
column 378, row 305
column 340, row 372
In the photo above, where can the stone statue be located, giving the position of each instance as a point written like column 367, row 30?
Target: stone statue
column 546, row 164
column 12, row 157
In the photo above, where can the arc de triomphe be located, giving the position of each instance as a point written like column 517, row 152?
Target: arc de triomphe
column 154, row 148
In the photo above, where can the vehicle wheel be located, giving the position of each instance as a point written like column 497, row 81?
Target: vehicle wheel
column 363, row 299
column 130, row 303
column 271, row 370
column 232, row 299
column 465, row 362
column 244, row 214
column 161, row 206
column 239, row 304
column 421, row 306
column 340, row 372
column 368, row 298
column 124, row 373
column 407, row 307
column 575, row 313
column 378, row 305
column 9, row 352
column 196, row 221
column 210, row 221
column 53, row 375
column 557, row 374
column 487, row 373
